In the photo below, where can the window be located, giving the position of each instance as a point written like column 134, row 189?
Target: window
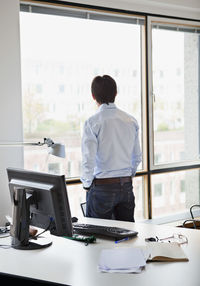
column 61, row 88
column 57, row 70
column 174, row 114
column 54, row 168
column 68, row 57
column 175, row 63
column 182, row 189
column 158, row 200
column 177, row 191
column 182, row 183
column 158, row 190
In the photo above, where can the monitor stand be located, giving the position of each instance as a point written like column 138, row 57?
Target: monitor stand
column 42, row 242
column 19, row 230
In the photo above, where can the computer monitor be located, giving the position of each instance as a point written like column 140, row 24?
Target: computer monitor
column 40, row 200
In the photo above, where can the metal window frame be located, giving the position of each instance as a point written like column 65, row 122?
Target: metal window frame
column 65, row 10
column 126, row 16
column 177, row 25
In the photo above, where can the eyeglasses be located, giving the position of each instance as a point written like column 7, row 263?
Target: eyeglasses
column 176, row 237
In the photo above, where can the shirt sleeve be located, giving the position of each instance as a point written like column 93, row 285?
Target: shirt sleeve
column 88, row 149
column 137, row 154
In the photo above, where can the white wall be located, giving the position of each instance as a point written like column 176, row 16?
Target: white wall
column 178, row 8
column 10, row 97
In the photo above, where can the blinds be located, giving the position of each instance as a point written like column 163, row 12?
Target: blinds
column 81, row 13
column 175, row 27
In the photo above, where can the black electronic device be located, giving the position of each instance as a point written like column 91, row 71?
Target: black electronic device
column 113, row 232
column 74, row 219
column 40, row 200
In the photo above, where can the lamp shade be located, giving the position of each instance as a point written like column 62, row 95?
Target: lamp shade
column 57, row 149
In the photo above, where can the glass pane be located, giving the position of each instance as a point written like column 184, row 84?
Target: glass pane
column 77, row 196
column 138, row 189
column 60, row 57
column 174, row 192
column 175, row 61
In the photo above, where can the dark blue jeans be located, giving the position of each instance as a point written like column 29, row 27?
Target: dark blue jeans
column 111, row 201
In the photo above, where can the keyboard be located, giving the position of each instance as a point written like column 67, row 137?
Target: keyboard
column 114, row 232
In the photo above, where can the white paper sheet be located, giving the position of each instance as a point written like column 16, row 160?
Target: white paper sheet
column 123, row 260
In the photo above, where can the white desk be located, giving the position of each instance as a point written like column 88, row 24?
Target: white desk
column 72, row 263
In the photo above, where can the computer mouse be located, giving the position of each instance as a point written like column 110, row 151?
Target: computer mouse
column 74, row 219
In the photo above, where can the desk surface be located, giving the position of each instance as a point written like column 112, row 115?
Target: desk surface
column 72, row 263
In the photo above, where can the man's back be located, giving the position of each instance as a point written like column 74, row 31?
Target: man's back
column 115, row 131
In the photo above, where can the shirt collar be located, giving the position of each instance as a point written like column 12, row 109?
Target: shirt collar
column 107, row 106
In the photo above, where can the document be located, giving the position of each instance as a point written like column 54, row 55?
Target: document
column 133, row 260
column 122, row 260
column 161, row 251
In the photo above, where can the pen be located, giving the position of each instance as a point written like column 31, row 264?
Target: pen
column 121, row 240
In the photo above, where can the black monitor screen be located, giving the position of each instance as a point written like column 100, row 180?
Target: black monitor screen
column 40, row 200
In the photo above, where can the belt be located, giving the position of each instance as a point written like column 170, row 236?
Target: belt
column 117, row 180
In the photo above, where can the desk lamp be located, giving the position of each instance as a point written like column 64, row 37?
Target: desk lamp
column 55, row 149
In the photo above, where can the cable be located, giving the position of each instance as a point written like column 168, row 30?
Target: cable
column 5, row 246
column 46, row 229
column 4, row 231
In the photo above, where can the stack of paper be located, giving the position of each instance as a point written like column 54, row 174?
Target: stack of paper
column 123, row 260
column 133, row 260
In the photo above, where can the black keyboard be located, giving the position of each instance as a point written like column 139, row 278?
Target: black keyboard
column 114, row 232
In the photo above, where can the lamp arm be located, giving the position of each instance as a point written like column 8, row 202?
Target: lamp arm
column 47, row 141
column 31, row 144
column 55, row 149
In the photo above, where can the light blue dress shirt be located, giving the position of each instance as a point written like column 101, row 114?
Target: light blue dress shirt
column 110, row 145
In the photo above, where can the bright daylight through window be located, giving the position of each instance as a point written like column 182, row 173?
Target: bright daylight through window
column 175, row 61
column 63, row 49
column 175, row 65
column 60, row 56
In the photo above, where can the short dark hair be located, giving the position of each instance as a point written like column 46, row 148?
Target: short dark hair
column 104, row 89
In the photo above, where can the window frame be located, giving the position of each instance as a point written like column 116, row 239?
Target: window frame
column 101, row 15
column 174, row 23
column 149, row 168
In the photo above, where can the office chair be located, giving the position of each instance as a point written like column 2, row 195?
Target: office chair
column 83, row 208
column 195, row 222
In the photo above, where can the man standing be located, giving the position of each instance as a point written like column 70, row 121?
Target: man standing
column 110, row 155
